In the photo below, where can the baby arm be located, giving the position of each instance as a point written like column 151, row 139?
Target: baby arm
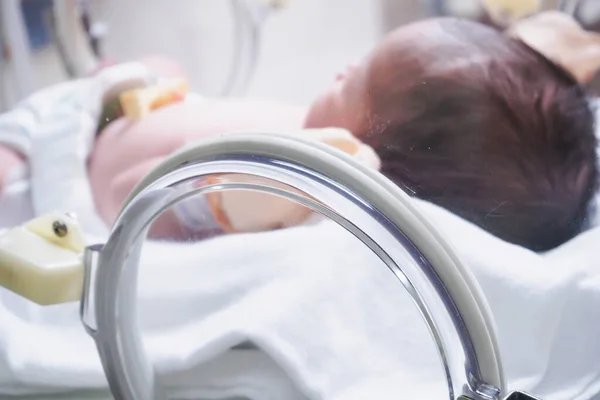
column 167, row 225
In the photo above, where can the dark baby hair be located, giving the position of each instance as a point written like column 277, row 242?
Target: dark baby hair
column 505, row 139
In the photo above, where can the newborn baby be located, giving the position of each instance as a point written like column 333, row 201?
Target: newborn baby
column 478, row 122
column 459, row 114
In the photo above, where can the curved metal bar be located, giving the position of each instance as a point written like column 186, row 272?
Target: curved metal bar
column 334, row 185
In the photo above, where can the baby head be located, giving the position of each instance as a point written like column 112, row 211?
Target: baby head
column 476, row 122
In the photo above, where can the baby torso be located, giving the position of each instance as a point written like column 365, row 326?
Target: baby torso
column 127, row 150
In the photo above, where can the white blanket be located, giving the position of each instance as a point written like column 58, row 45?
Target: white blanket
column 330, row 321
column 327, row 313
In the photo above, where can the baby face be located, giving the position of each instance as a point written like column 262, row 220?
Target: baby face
column 367, row 95
column 343, row 104
column 347, row 102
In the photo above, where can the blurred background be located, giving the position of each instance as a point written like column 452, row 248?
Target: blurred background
column 300, row 44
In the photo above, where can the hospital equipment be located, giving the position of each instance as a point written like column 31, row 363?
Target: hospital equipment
column 78, row 37
column 361, row 200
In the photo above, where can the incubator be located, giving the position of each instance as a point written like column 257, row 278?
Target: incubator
column 373, row 244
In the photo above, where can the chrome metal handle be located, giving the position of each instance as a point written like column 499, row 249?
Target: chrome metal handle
column 359, row 199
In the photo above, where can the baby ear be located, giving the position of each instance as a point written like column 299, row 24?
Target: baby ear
column 560, row 38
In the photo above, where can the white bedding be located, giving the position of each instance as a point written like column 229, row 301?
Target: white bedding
column 328, row 314
column 331, row 322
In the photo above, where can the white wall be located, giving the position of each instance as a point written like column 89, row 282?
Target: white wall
column 307, row 43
